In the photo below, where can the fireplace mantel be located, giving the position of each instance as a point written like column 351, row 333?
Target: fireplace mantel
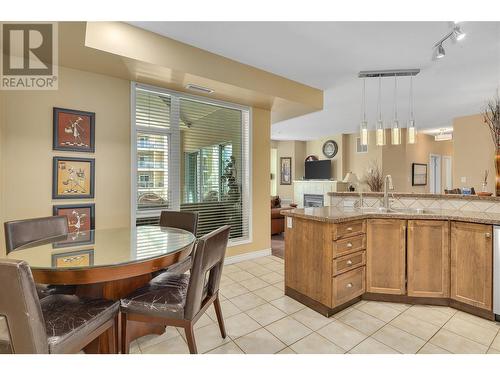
column 301, row 187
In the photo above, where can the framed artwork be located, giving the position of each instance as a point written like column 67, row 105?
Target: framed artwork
column 330, row 149
column 286, row 171
column 81, row 217
column 72, row 178
column 418, row 174
column 73, row 130
column 79, row 258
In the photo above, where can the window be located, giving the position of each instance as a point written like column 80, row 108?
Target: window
column 360, row 149
column 192, row 154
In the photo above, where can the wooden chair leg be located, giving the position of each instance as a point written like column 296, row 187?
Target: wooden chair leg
column 190, row 338
column 125, row 339
column 220, row 319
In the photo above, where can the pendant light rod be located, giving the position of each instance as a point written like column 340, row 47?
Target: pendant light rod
column 363, row 100
column 379, row 102
column 395, row 98
column 411, row 99
column 388, row 73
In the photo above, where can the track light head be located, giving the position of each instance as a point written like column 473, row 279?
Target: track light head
column 439, row 52
column 458, row 34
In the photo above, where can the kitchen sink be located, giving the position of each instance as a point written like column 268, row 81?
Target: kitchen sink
column 409, row 210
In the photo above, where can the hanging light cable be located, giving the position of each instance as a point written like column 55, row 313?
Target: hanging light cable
column 380, row 131
column 411, row 130
column 395, row 130
column 363, row 129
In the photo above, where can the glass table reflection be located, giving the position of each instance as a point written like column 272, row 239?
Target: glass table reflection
column 104, row 248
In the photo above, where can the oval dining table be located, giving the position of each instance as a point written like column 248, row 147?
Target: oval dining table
column 107, row 263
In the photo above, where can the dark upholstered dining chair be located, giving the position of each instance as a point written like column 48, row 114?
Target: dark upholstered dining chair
column 182, row 220
column 181, row 299
column 20, row 233
column 55, row 324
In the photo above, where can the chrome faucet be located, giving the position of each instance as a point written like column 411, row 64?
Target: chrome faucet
column 387, row 186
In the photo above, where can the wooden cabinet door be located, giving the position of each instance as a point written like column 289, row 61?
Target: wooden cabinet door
column 428, row 253
column 472, row 264
column 386, row 256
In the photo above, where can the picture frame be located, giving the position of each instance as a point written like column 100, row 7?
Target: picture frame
column 285, row 171
column 81, row 217
column 418, row 174
column 73, row 130
column 78, row 258
column 72, row 178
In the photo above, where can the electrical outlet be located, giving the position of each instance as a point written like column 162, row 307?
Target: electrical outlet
column 463, row 180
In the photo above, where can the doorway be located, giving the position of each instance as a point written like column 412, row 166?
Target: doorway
column 434, row 174
column 274, row 171
column 448, row 177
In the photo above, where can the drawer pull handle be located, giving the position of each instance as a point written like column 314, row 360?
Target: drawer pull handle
column 349, row 262
column 349, row 245
column 349, row 285
column 349, row 229
column 488, row 235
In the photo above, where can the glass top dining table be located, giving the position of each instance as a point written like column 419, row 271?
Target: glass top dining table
column 103, row 248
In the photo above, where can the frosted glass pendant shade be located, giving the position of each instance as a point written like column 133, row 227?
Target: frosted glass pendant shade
column 395, row 134
column 363, row 133
column 411, row 130
column 380, row 134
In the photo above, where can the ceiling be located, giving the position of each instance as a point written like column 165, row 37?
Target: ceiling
column 328, row 55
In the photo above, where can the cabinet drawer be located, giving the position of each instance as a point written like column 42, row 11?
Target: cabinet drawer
column 349, row 245
column 349, row 262
column 351, row 228
column 347, row 286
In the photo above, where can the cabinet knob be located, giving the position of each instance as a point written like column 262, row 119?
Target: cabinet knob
column 349, row 285
column 487, row 235
column 349, row 229
column 349, row 262
column 349, row 245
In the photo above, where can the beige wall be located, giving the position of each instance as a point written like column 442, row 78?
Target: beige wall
column 297, row 151
column 420, row 153
column 316, row 148
column 394, row 160
column 474, row 152
column 360, row 162
column 26, row 147
column 261, row 166
column 26, row 153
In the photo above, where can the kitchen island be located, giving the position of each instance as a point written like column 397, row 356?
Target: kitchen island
column 335, row 256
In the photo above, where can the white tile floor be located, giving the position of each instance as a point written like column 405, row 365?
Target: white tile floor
column 260, row 319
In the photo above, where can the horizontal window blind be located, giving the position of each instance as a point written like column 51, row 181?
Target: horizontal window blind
column 207, row 169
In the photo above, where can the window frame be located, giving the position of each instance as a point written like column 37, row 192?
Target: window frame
column 174, row 153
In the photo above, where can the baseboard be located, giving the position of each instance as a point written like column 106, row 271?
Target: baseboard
column 247, row 256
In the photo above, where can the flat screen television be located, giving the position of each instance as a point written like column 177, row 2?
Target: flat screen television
column 318, row 170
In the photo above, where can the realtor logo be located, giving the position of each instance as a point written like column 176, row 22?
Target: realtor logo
column 29, row 56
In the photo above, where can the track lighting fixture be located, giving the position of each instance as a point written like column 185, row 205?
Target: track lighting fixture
column 456, row 34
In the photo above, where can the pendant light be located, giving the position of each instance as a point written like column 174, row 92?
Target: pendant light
column 411, row 130
column 395, row 130
column 380, row 131
column 363, row 128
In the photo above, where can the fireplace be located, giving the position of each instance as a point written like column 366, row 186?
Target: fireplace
column 313, row 200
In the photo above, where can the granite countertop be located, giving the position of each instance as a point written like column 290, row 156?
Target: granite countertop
column 339, row 215
column 414, row 195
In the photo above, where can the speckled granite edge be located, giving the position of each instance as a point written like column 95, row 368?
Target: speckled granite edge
column 344, row 194
column 330, row 215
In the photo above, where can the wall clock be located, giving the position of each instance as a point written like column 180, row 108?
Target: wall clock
column 330, row 149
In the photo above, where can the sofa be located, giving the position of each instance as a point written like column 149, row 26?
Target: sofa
column 277, row 219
